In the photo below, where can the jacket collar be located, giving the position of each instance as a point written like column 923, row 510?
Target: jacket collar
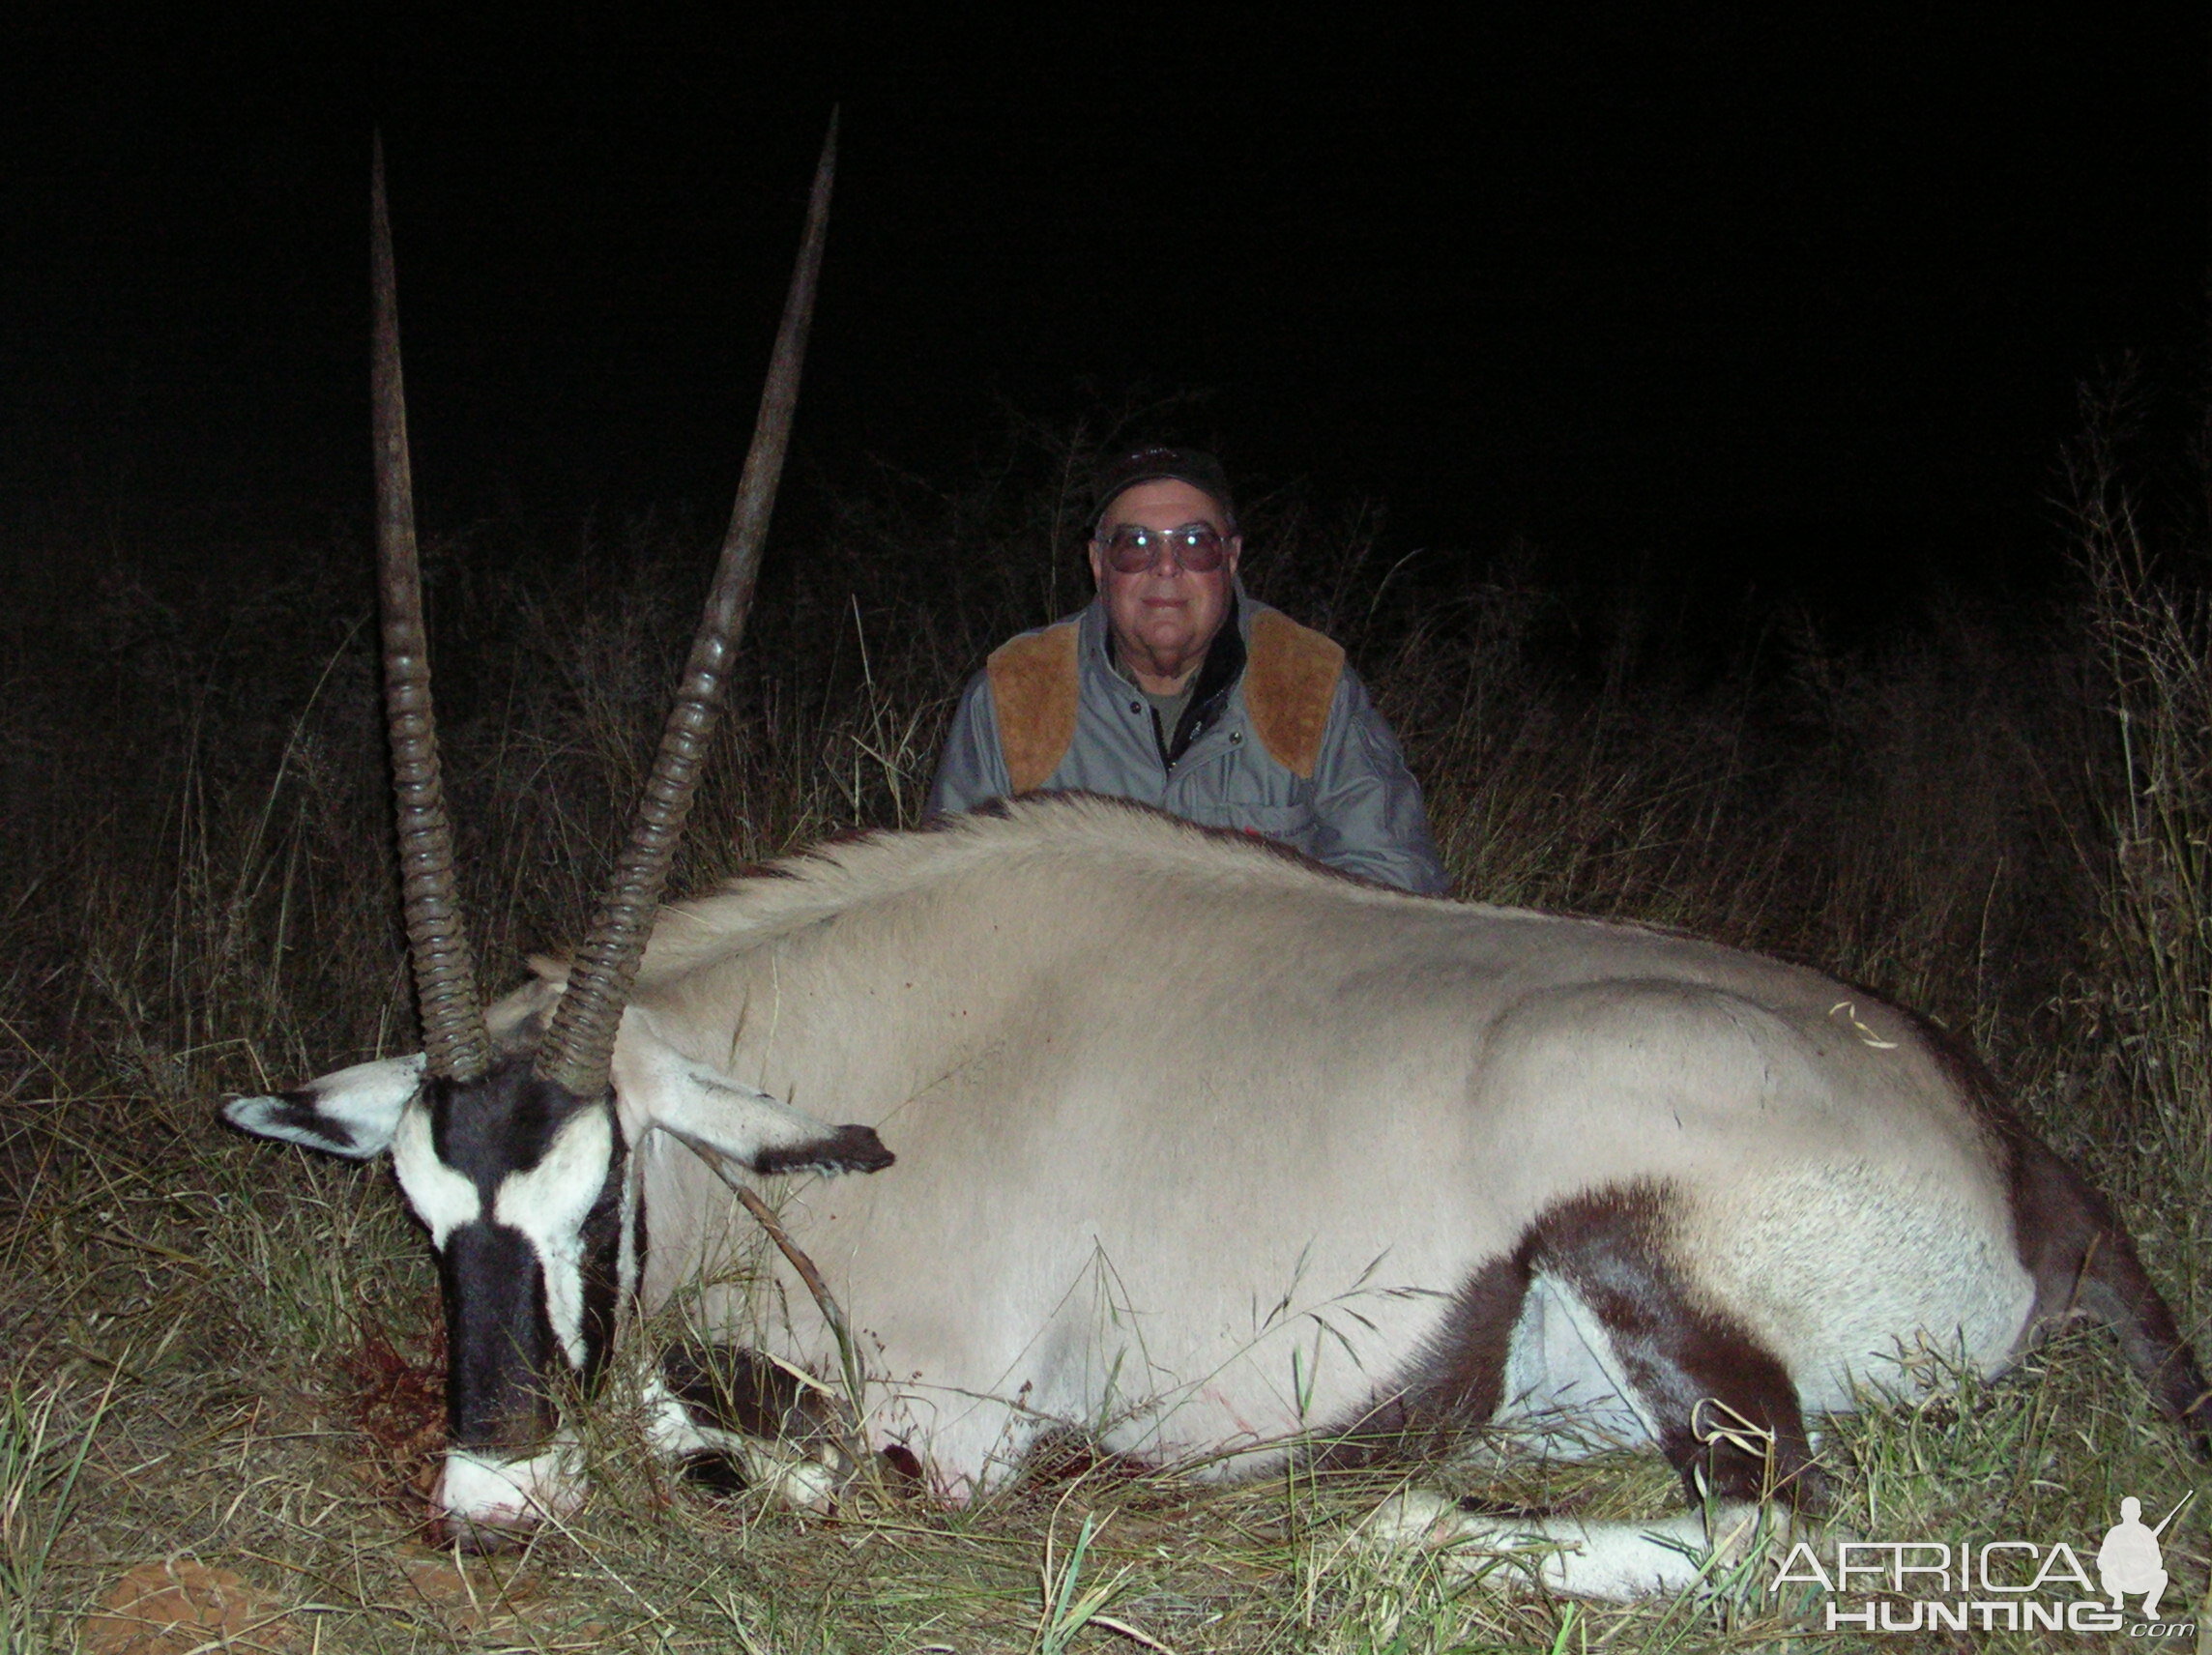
column 1217, row 674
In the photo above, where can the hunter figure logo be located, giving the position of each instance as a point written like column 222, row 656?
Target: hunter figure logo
column 1991, row 1585
column 2128, row 1561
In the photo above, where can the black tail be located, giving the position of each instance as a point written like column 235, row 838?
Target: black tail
column 2083, row 1262
column 2085, row 1265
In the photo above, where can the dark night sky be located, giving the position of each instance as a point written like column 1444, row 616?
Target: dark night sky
column 1793, row 294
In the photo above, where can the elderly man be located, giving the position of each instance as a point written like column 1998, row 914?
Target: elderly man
column 1176, row 688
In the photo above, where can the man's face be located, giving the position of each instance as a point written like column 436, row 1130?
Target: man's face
column 1165, row 616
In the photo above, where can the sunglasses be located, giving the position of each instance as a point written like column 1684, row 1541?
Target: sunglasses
column 1197, row 549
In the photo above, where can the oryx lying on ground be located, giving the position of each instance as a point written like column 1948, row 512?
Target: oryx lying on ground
column 1202, row 1151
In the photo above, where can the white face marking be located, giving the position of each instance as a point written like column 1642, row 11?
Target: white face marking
column 549, row 1204
column 442, row 1198
column 625, row 1247
column 512, row 1493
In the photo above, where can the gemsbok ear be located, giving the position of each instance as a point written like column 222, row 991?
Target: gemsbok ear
column 352, row 1113
column 719, row 1116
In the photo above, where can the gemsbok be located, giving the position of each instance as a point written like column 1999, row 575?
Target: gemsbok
column 1203, row 1152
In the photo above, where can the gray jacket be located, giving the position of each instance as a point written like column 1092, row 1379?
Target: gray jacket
column 1279, row 738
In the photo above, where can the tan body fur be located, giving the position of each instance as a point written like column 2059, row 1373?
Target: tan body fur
column 1194, row 1140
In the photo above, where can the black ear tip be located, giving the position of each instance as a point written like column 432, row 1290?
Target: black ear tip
column 862, row 1150
column 847, row 1149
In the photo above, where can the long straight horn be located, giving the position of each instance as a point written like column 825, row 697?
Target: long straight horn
column 579, row 1046
column 453, row 1037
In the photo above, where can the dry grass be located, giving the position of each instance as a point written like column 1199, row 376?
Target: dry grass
column 221, row 1357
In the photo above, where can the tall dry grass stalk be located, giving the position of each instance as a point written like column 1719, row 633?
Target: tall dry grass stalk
column 44, row 1445
column 2150, row 999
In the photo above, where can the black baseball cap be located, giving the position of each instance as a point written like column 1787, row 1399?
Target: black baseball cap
column 1156, row 464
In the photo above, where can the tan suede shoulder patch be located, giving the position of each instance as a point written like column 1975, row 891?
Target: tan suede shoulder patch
column 1289, row 680
column 1034, row 688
